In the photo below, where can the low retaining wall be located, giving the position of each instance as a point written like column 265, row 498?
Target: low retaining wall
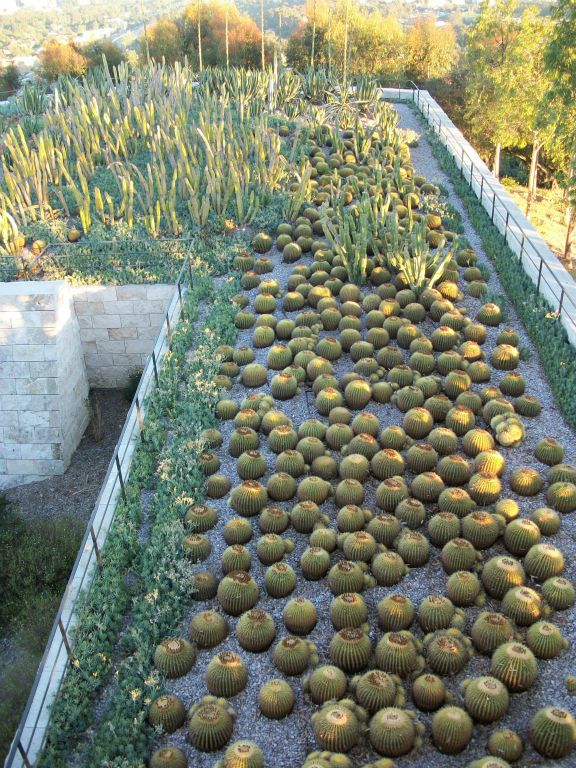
column 57, row 341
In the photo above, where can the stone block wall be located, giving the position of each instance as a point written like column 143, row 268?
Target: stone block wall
column 43, row 382
column 118, row 326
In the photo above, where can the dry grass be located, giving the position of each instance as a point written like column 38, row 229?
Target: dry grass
column 547, row 213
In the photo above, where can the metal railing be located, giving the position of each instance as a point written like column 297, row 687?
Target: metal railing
column 550, row 277
column 30, row 735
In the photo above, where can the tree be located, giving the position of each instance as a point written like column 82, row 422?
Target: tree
column 559, row 103
column 430, row 49
column 93, row 53
column 521, row 97
column 487, row 55
column 61, row 59
column 9, row 80
column 164, row 41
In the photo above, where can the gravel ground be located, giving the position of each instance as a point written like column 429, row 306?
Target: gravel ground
column 76, row 490
column 287, row 742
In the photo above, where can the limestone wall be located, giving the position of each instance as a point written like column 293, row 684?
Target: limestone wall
column 43, row 382
column 56, row 341
column 118, row 326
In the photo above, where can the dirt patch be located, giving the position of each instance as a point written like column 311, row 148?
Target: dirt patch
column 76, row 490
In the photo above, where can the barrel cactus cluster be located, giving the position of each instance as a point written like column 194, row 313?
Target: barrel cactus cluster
column 364, row 450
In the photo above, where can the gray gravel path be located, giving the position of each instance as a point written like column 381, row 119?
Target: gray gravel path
column 287, row 742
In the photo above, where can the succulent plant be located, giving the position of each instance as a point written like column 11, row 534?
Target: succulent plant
column 292, row 655
column 168, row 757
column 388, row 568
column 418, row 423
column 249, row 498
column 549, row 451
column 174, row 657
column 500, row 574
column 485, row 698
column 226, row 674
column 559, row 593
column 411, row 512
column 242, row 440
column 350, row 649
column 280, row 580
column 217, row 486
column 447, row 651
column 354, row 467
column 359, row 546
column 457, row 501
column 390, row 493
column 315, row 562
column 395, row 612
column 393, row 732
column 553, row 732
column 427, row 487
column 437, row 612
column 167, row 712
column 208, row 628
column 300, row 616
column 452, row 729
column 304, row 516
column 562, row 496
column 358, row 394
column 326, row 683
column 442, row 528
column 383, row 527
column 200, row 518
column 481, row 529
column 464, row 589
column 545, row 640
column 273, row 520
column 506, row 745
column 346, row 576
column 203, row 586
column 313, row 488
column 458, row 555
column 397, row 653
column 210, row 725
column 237, row 593
column 515, row 665
column 520, row 535
column 349, row 491
column 336, row 727
column 547, row 520
column 429, row 692
column 255, row 630
column 523, row 605
column 476, row 441
column 484, row 488
column 276, row 699
column 237, row 530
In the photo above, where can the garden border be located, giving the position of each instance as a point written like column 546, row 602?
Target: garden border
column 31, row 732
column 552, row 280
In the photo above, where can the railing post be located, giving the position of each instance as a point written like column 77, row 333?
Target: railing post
column 462, row 163
column 493, row 206
column 190, row 270
column 522, row 245
column 155, row 368
column 168, row 329
column 96, row 547
column 506, row 224
column 481, row 186
column 471, row 175
column 561, row 302
column 139, row 415
column 119, row 470
column 65, row 640
column 539, row 275
column 24, row 755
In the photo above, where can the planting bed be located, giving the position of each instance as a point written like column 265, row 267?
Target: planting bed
column 440, row 372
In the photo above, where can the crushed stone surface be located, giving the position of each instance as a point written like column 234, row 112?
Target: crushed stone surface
column 286, row 742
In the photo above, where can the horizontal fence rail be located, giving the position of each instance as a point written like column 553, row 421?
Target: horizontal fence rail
column 31, row 733
column 548, row 274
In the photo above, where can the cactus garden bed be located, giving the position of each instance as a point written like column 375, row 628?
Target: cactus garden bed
column 359, row 507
